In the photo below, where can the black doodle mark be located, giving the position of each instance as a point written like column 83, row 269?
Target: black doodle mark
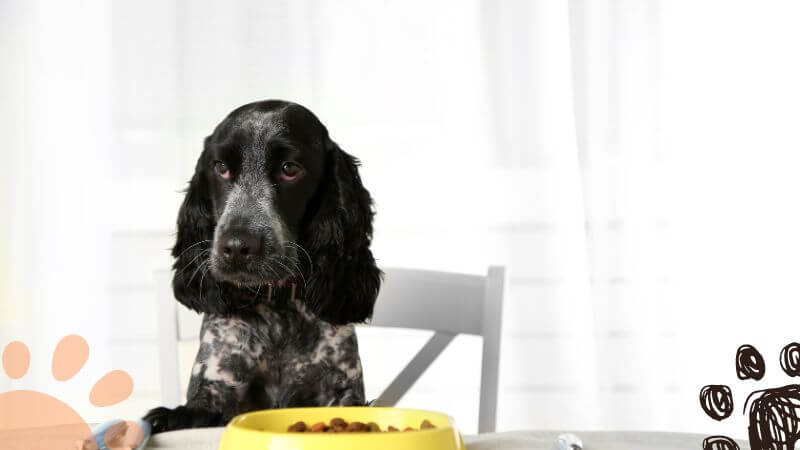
column 719, row 443
column 774, row 421
column 774, row 413
column 749, row 363
column 790, row 359
column 717, row 401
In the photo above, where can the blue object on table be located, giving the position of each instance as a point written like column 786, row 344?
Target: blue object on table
column 568, row 441
column 99, row 433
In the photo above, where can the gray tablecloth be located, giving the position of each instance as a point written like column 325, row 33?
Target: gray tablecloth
column 208, row 439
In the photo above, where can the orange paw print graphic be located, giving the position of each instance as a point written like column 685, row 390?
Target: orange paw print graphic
column 34, row 420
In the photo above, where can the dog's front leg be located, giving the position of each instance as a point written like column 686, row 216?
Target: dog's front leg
column 223, row 370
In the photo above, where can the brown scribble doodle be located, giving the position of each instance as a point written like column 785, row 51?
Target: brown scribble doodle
column 774, row 418
column 749, row 363
column 774, row 413
column 790, row 359
column 719, row 443
column 717, row 401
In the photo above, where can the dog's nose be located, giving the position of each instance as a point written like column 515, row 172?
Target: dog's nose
column 241, row 247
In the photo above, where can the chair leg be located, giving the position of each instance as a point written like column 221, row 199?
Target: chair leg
column 492, row 326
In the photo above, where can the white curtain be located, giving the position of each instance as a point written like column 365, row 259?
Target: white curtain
column 631, row 162
column 55, row 136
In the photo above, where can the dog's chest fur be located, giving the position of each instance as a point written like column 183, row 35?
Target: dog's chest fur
column 275, row 355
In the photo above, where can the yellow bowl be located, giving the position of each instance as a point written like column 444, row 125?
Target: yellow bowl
column 267, row 430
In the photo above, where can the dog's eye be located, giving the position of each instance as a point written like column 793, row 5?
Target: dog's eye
column 290, row 170
column 222, row 170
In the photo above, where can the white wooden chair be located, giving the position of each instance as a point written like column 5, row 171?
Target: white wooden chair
column 453, row 304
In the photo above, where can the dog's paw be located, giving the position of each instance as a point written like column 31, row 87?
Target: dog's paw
column 159, row 419
column 774, row 413
column 163, row 419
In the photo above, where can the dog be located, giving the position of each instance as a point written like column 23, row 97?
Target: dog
column 273, row 248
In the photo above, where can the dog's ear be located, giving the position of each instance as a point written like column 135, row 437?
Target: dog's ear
column 193, row 243
column 337, row 230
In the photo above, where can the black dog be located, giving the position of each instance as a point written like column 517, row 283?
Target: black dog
column 273, row 248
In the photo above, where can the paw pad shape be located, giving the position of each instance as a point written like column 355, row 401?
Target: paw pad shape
column 773, row 413
column 57, row 425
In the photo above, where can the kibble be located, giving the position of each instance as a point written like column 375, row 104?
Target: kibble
column 338, row 422
column 339, row 425
column 298, row 427
column 357, row 427
column 318, row 427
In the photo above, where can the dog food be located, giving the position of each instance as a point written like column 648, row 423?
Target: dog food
column 338, row 425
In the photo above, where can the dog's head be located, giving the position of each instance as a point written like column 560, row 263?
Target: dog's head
column 273, row 198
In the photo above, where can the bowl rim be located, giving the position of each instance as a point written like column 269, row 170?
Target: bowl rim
column 235, row 423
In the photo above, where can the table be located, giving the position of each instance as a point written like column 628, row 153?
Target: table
column 208, row 439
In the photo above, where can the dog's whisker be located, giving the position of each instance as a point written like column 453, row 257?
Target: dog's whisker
column 205, row 263
column 291, row 272
column 258, row 291
column 298, row 271
column 201, row 283
column 219, row 290
column 207, row 251
column 271, row 269
column 293, row 260
column 192, row 246
column 300, row 247
column 298, row 253
column 275, row 259
column 199, row 254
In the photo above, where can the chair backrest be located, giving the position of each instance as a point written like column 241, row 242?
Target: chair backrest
column 453, row 304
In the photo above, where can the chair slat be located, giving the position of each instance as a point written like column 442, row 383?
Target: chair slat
column 429, row 300
column 167, row 336
column 415, row 368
